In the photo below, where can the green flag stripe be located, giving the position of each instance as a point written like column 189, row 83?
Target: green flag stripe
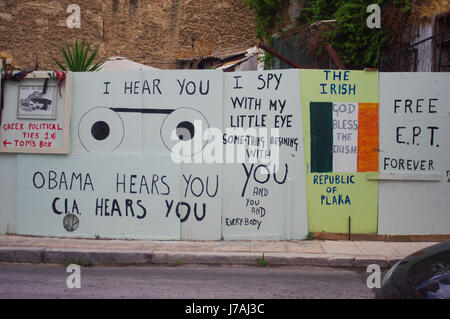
column 321, row 123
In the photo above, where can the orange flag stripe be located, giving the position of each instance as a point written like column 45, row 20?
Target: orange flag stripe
column 368, row 142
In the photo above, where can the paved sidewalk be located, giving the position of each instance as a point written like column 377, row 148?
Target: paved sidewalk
column 28, row 249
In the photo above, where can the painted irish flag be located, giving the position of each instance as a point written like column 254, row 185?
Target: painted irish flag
column 344, row 137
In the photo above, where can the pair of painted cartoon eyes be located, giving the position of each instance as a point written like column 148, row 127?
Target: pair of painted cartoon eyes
column 102, row 130
column 185, row 130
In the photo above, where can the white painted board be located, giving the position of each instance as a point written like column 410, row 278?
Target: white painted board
column 34, row 119
column 194, row 98
column 130, row 122
column 414, row 143
column 261, row 202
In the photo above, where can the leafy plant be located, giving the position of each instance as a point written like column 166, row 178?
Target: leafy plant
column 79, row 262
column 267, row 58
column 261, row 262
column 77, row 57
column 309, row 236
column 266, row 15
column 317, row 10
column 179, row 262
column 357, row 45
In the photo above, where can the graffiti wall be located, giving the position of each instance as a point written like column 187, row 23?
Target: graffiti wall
column 340, row 124
column 206, row 155
column 120, row 179
column 262, row 120
column 414, row 153
column 149, row 152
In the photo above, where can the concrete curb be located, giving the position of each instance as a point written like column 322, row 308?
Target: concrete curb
column 43, row 255
column 327, row 260
column 22, row 255
column 187, row 257
column 96, row 257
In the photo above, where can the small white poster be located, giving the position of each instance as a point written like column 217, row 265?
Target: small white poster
column 37, row 102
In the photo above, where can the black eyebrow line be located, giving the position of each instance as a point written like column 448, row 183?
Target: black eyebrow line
column 136, row 110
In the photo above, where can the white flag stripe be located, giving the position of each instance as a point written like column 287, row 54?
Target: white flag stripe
column 345, row 137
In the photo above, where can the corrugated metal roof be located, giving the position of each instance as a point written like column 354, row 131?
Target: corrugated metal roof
column 231, row 63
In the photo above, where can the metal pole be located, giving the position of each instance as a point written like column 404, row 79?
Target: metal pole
column 349, row 227
column 438, row 64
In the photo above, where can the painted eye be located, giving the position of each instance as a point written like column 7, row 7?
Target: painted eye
column 185, row 131
column 185, row 125
column 101, row 130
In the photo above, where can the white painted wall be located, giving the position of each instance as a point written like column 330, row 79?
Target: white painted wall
column 8, row 193
column 409, row 202
column 141, row 109
column 414, row 200
column 257, row 205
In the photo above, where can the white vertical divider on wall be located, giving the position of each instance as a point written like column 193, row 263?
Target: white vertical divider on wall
column 414, row 161
column 259, row 202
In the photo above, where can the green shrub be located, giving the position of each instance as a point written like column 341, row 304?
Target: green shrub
column 267, row 15
column 357, row 45
column 77, row 57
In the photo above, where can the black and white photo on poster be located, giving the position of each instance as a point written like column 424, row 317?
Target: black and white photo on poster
column 37, row 103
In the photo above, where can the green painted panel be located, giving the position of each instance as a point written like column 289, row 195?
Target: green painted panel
column 330, row 199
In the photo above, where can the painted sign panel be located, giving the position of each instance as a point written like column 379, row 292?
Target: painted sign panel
column 35, row 116
column 340, row 124
column 414, row 153
column 136, row 134
column 264, row 183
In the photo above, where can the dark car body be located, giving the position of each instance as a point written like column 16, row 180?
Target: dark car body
column 424, row 274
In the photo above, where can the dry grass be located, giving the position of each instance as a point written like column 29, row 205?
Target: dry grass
column 424, row 10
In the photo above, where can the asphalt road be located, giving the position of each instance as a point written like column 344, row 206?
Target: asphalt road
column 184, row 282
